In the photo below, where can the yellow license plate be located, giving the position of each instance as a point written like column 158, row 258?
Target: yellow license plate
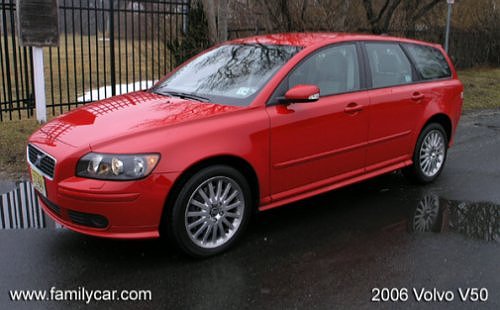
column 38, row 182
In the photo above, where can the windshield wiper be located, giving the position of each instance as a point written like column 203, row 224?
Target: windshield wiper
column 183, row 95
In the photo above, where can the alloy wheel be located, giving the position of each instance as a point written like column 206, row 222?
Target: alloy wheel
column 432, row 153
column 214, row 212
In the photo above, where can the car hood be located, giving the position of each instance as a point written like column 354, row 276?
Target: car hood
column 124, row 115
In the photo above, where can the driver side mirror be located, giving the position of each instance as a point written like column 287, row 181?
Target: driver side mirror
column 302, row 93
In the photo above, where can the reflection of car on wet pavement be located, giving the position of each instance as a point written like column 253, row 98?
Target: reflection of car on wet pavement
column 427, row 215
column 254, row 123
column 479, row 220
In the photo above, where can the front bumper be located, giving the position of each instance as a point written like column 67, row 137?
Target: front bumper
column 125, row 210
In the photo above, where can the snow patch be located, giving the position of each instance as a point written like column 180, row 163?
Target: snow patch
column 105, row 91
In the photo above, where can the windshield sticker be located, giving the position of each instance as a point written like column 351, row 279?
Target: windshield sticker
column 245, row 91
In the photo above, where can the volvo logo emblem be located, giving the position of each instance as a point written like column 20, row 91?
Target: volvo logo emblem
column 38, row 160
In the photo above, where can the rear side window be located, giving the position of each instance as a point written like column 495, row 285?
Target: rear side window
column 388, row 64
column 429, row 61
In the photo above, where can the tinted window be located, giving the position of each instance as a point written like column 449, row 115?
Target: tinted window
column 389, row 65
column 230, row 74
column 334, row 70
column 429, row 61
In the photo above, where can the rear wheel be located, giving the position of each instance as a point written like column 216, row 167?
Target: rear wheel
column 429, row 156
column 211, row 211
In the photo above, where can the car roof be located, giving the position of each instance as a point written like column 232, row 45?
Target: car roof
column 307, row 39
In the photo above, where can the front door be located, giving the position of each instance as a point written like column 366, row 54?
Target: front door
column 318, row 143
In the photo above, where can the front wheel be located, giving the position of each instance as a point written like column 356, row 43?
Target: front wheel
column 429, row 155
column 211, row 211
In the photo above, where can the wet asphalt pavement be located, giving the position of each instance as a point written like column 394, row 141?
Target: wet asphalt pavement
column 331, row 251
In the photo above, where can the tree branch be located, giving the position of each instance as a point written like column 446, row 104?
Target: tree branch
column 423, row 10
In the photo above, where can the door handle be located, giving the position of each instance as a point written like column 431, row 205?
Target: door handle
column 417, row 96
column 353, row 108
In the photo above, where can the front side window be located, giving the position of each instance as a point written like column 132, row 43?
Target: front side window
column 388, row 64
column 429, row 61
column 334, row 70
column 230, row 74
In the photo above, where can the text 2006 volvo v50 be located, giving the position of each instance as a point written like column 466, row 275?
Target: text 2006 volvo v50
column 250, row 124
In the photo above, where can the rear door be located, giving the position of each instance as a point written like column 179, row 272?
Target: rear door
column 396, row 103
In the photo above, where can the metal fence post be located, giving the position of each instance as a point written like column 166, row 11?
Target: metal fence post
column 112, row 46
column 448, row 22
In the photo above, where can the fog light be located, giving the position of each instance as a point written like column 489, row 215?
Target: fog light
column 99, row 221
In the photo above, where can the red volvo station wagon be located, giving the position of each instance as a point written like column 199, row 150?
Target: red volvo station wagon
column 250, row 124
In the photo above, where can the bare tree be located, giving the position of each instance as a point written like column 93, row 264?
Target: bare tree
column 304, row 15
column 278, row 11
column 217, row 14
column 209, row 8
column 380, row 21
column 222, row 15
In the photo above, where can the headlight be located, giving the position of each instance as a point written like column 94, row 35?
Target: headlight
column 115, row 166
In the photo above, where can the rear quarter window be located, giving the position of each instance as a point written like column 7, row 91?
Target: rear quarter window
column 429, row 61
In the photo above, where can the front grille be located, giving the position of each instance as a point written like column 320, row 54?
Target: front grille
column 55, row 208
column 41, row 160
column 88, row 219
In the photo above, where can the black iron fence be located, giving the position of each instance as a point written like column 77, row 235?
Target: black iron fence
column 16, row 94
column 107, row 47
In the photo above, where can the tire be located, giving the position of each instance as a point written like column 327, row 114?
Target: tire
column 211, row 211
column 429, row 156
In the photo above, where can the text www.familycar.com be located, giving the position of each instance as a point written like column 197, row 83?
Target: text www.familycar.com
column 80, row 294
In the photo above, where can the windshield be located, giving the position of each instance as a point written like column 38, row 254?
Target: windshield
column 230, row 74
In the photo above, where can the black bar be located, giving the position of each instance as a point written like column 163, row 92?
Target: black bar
column 32, row 78
column 27, row 80
column 104, row 54
column 21, row 78
column 126, row 52
column 112, row 46
column 7, row 59
column 140, row 41
column 172, row 12
column 119, row 50
column 4, row 90
column 51, row 82
column 59, row 80
column 133, row 51
column 14, row 57
column 74, row 52
column 82, row 54
column 170, row 54
column 66, row 54
column 164, row 43
column 90, row 51
column 158, row 37
column 97, row 49
column 153, row 23
column 146, row 41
